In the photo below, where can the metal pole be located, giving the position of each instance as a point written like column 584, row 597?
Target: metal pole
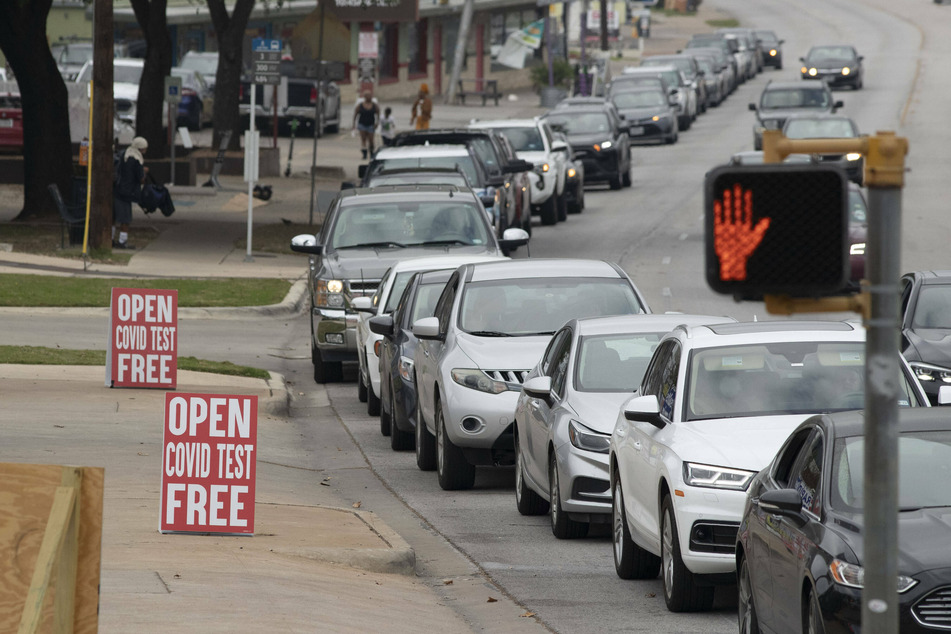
column 171, row 130
column 880, row 596
column 549, row 44
column 583, row 68
column 462, row 39
column 317, row 123
column 251, row 153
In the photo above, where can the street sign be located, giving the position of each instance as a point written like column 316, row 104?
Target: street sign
column 173, row 90
column 266, row 61
column 776, row 230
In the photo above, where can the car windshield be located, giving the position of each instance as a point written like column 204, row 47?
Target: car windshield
column 681, row 63
column 922, row 458
column 533, row 306
column 778, row 378
column 829, row 54
column 767, row 37
column 78, row 55
column 624, row 83
column 613, row 363
column 409, row 224
column 640, row 99
column 819, row 129
column 933, row 309
column 126, row 74
column 524, row 139
column 795, row 98
column 580, row 122
column 706, row 66
column 412, row 178
column 462, row 162
column 204, row 65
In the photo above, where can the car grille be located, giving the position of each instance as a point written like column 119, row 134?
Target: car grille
column 935, row 609
column 514, row 377
column 362, row 288
column 124, row 106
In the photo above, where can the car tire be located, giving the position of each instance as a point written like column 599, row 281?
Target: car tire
column 749, row 624
column 452, row 469
column 670, row 140
column 399, row 440
column 681, row 591
column 626, row 177
column 562, row 526
column 617, row 180
column 684, row 122
column 326, row 371
column 373, row 405
column 757, row 144
column 526, row 501
column 630, row 560
column 333, row 128
column 361, row 388
column 425, row 443
column 813, row 624
column 562, row 207
column 386, row 420
column 549, row 211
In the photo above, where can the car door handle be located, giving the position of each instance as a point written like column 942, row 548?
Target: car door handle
column 534, row 404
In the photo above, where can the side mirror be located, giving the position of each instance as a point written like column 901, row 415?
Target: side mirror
column 944, row 395
column 623, row 117
column 802, row 59
column 861, row 57
column 752, row 107
column 427, row 328
column 363, row 305
column 837, row 105
column 362, row 170
column 519, row 166
column 495, row 181
column 781, row 42
column 306, row 243
column 644, row 409
column 539, row 387
column 786, row 502
column 381, row 325
column 559, row 146
column 347, row 185
column 513, row 237
column 487, row 201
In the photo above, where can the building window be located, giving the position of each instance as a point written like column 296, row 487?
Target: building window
column 388, row 61
column 416, row 36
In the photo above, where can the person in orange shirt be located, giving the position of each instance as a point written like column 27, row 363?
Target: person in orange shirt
column 422, row 109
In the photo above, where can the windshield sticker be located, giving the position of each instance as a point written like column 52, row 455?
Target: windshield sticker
column 850, row 357
column 732, row 362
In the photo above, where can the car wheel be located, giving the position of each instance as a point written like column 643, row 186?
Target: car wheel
column 562, row 526
column 630, row 560
column 326, row 371
column 757, row 144
column 452, row 469
column 361, row 388
column 399, row 440
column 670, row 140
column 562, row 208
column 749, row 624
column 425, row 443
column 195, row 123
column 373, row 407
column 681, row 592
column 617, row 180
column 549, row 211
column 813, row 623
column 684, row 122
column 386, row 420
column 626, row 178
column 333, row 128
column 526, row 501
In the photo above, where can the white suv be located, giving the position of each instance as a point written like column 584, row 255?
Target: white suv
column 534, row 141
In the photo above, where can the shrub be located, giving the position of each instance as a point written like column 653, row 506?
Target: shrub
column 562, row 72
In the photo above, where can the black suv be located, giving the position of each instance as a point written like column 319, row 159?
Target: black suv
column 500, row 163
column 782, row 99
column 925, row 326
column 599, row 138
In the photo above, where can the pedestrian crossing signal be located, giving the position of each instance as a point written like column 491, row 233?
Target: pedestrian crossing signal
column 776, row 229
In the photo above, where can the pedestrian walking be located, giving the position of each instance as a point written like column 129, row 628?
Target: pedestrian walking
column 127, row 189
column 422, row 109
column 366, row 117
column 388, row 127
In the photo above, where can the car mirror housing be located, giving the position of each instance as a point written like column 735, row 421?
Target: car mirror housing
column 487, row 201
column 381, row 325
column 519, row 166
column 559, row 146
column 538, row 387
column 362, row 170
column 495, row 181
column 306, row 243
column 363, row 305
column 644, row 409
column 752, row 107
column 944, row 395
column 513, row 237
column 837, row 105
column 786, row 502
column 427, row 328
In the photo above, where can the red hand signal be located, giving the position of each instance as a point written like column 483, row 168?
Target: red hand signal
column 735, row 237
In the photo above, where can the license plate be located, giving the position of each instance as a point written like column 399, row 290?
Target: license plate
column 6, row 123
column 636, row 130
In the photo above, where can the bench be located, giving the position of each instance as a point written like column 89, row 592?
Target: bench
column 485, row 88
column 73, row 218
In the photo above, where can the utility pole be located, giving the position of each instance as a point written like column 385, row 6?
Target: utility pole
column 100, row 164
column 604, row 25
column 318, row 118
column 465, row 21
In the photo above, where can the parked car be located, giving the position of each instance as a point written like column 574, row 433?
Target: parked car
column 383, row 302
column 749, row 44
column 205, row 62
column 726, row 65
column 533, row 141
column 565, row 414
column 364, row 232
column 70, row 58
column 729, row 47
column 714, row 79
column 687, row 64
column 925, row 328
column 451, row 175
column 491, row 324
column 800, row 546
column 679, row 87
column 298, row 97
column 648, row 115
column 835, row 65
column 126, row 76
column 715, row 405
column 198, row 102
column 574, row 178
column 772, row 48
column 829, row 126
column 599, row 138
column 11, row 122
column 779, row 100
column 623, row 83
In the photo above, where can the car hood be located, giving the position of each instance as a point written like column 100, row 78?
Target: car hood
column 933, row 345
column 831, row 63
column 123, row 90
column 533, row 156
column 502, row 353
column 372, row 263
column 744, row 443
column 923, row 537
column 586, row 141
column 785, row 113
column 598, row 410
column 641, row 113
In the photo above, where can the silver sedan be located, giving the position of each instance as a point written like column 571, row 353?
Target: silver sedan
column 567, row 410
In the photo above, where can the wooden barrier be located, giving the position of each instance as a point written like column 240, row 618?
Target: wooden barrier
column 50, row 548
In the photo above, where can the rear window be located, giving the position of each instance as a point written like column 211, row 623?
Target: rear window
column 462, row 163
column 580, row 122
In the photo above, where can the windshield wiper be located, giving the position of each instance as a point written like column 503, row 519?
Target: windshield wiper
column 489, row 333
column 366, row 245
column 430, row 243
column 536, row 334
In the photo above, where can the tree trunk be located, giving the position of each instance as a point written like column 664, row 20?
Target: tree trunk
column 230, row 34
column 47, row 153
column 149, row 122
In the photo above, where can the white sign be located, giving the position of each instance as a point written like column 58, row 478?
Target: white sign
column 368, row 44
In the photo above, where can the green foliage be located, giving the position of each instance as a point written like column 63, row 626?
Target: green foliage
column 563, row 72
column 727, row 23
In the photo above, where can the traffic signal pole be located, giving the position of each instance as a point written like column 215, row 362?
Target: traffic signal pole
column 884, row 176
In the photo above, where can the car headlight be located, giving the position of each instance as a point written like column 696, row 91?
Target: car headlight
column 655, row 118
column 813, row 72
column 603, row 146
column 478, row 380
column 541, row 168
column 927, row 372
column 587, row 439
column 846, row 70
column 853, row 156
column 406, row 369
column 853, row 576
column 328, row 294
column 702, row 475
column 857, row 249
column 771, row 124
column 572, row 172
column 773, row 52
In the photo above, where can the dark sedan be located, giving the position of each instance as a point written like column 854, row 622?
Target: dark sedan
column 772, row 48
column 828, row 126
column 800, row 544
column 599, row 140
column 648, row 115
column 836, row 65
column 926, row 328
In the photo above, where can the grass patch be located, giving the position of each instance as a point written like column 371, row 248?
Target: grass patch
column 276, row 238
column 726, row 23
column 37, row 355
column 46, row 238
column 44, row 290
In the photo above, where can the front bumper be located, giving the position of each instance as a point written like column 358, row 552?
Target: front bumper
column 543, row 185
column 716, row 512
column 335, row 334
column 833, row 77
column 599, row 166
column 477, row 419
column 650, row 130
column 585, row 483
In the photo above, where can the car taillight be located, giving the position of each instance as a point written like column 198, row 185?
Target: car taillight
column 241, row 93
column 313, row 95
column 188, row 92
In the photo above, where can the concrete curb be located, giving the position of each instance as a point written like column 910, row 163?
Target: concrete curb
column 278, row 403
column 397, row 558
